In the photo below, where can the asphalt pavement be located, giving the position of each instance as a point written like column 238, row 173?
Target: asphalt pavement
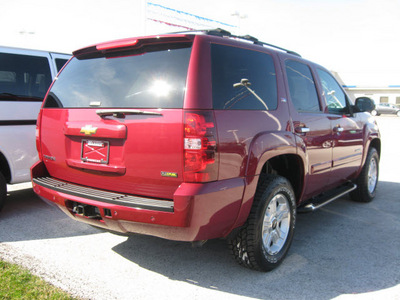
column 346, row 250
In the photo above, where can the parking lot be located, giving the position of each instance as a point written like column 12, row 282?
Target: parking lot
column 345, row 250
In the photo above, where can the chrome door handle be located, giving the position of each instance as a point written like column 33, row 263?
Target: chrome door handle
column 302, row 129
column 338, row 129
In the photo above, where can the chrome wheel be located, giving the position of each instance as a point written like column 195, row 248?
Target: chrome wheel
column 372, row 175
column 264, row 240
column 276, row 224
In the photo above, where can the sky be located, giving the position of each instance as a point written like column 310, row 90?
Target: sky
column 359, row 39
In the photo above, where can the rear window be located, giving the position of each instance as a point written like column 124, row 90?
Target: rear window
column 242, row 79
column 24, row 75
column 154, row 79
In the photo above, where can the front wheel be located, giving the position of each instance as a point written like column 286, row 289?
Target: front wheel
column 3, row 191
column 263, row 242
column 367, row 181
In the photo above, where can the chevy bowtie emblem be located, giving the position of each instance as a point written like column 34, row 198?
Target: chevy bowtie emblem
column 88, row 130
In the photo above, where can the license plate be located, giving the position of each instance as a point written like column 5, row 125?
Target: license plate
column 95, row 151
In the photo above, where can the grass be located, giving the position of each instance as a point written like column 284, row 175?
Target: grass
column 18, row 283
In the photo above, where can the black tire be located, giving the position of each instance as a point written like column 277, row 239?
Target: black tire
column 374, row 113
column 367, row 181
column 3, row 191
column 398, row 113
column 248, row 246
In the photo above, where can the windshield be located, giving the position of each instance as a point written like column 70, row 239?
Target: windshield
column 154, row 79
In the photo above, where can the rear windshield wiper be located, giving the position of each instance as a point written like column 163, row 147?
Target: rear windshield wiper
column 121, row 113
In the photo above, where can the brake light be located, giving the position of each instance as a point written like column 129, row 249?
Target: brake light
column 117, row 44
column 37, row 134
column 200, row 147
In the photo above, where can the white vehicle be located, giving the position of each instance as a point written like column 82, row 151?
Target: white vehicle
column 25, row 76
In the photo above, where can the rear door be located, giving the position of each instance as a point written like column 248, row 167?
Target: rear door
column 311, row 126
column 113, row 121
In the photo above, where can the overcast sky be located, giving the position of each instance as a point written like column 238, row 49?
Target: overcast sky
column 357, row 38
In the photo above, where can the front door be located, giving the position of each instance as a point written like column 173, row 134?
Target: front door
column 346, row 130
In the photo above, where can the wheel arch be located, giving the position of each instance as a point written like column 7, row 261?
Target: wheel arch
column 289, row 166
column 376, row 143
column 5, row 168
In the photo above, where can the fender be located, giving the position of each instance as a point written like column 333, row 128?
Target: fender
column 19, row 151
column 371, row 135
column 264, row 146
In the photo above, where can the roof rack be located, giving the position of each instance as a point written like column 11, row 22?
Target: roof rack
column 224, row 33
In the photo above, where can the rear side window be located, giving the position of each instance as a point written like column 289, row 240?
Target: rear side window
column 24, row 75
column 302, row 88
column 154, row 79
column 242, row 79
column 60, row 62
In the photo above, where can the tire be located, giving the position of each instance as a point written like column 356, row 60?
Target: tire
column 367, row 181
column 398, row 113
column 263, row 242
column 374, row 113
column 3, row 191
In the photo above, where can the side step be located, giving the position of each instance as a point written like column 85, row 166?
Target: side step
column 325, row 198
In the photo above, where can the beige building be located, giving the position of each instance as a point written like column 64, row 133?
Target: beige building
column 389, row 94
column 385, row 94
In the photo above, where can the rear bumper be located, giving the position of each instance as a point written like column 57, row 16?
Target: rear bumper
column 197, row 212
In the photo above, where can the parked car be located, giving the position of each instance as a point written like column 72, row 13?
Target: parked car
column 196, row 136
column 386, row 108
column 25, row 76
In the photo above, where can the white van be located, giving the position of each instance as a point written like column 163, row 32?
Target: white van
column 25, row 76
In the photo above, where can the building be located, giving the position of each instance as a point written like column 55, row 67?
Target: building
column 383, row 94
column 389, row 94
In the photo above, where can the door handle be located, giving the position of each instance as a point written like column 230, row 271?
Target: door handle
column 338, row 129
column 302, row 129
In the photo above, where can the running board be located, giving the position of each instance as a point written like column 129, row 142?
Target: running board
column 325, row 198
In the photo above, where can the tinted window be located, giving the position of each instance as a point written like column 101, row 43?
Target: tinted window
column 151, row 80
column 334, row 95
column 242, row 79
column 23, row 75
column 60, row 62
column 302, row 88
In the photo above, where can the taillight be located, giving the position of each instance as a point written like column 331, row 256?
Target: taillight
column 37, row 133
column 200, row 147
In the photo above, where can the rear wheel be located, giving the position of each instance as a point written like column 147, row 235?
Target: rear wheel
column 263, row 242
column 368, row 178
column 374, row 112
column 398, row 113
column 3, row 191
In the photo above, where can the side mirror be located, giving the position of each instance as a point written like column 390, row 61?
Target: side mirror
column 365, row 104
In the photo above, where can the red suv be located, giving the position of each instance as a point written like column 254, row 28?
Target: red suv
column 196, row 136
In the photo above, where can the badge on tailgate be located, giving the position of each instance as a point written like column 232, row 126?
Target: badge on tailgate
column 95, row 151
